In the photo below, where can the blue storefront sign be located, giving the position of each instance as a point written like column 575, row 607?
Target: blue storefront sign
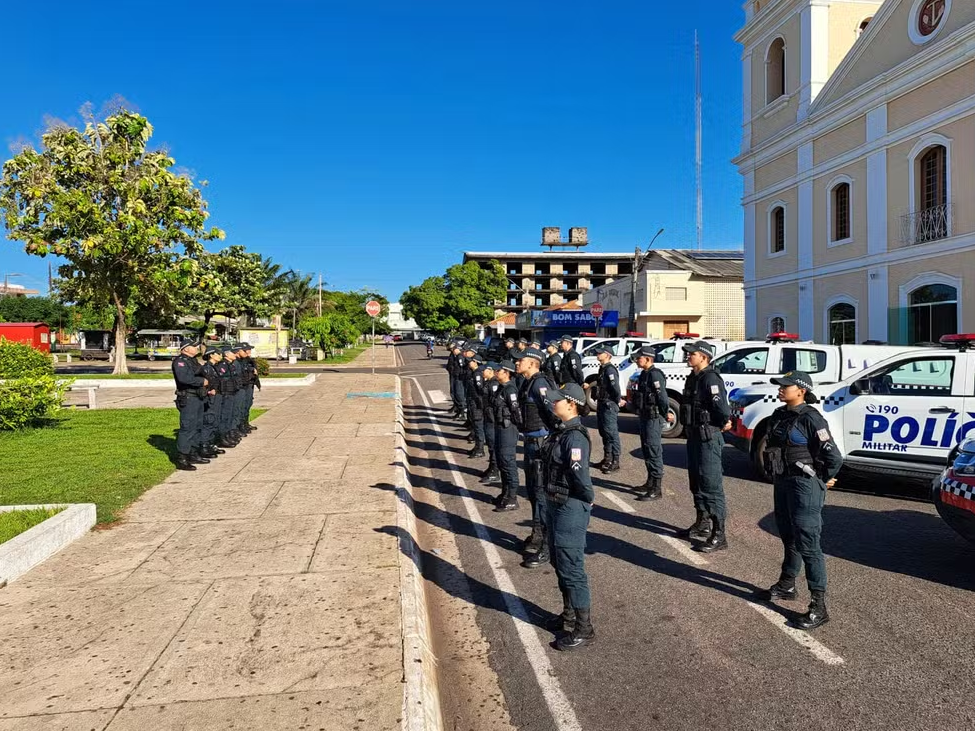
column 579, row 319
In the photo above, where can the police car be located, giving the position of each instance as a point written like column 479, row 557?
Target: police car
column 900, row 416
column 953, row 491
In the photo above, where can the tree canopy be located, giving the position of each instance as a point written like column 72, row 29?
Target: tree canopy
column 465, row 295
column 127, row 224
column 329, row 332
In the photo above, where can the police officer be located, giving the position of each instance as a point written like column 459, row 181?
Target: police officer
column 535, row 344
column 243, row 380
column 804, row 460
column 489, row 394
column 706, row 413
column 227, row 388
column 475, row 403
column 538, row 422
column 607, row 399
column 571, row 367
column 552, row 368
column 456, row 373
column 508, row 422
column 212, row 405
column 190, row 392
column 467, row 388
column 652, row 406
column 569, row 497
column 509, row 344
column 522, row 346
column 251, row 381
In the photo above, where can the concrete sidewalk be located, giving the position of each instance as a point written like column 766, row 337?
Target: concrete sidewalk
column 261, row 592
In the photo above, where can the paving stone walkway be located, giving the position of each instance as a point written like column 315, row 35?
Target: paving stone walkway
column 259, row 592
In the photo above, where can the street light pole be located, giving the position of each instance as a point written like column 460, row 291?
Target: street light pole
column 639, row 259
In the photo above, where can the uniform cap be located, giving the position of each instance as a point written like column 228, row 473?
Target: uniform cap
column 522, row 341
column 508, row 365
column 215, row 351
column 794, row 378
column 534, row 353
column 493, row 365
column 602, row 349
column 478, row 358
column 699, row 346
column 227, row 349
column 189, row 343
column 645, row 352
column 569, row 392
column 567, row 339
column 536, row 344
column 552, row 344
column 509, row 340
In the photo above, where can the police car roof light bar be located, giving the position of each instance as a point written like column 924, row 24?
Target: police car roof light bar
column 684, row 336
column 962, row 341
column 630, row 334
column 782, row 337
column 589, row 335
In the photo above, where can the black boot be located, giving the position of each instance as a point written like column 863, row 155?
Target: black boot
column 582, row 633
column 493, row 478
column 197, row 458
column 613, row 466
column 564, row 622
column 784, row 589
column 716, row 541
column 486, row 472
column 601, row 465
column 656, row 489
column 534, row 542
column 643, row 490
column 477, row 451
column 183, row 462
column 817, row 615
column 700, row 530
column 535, row 560
column 251, row 427
column 226, row 442
column 507, row 501
column 210, row 451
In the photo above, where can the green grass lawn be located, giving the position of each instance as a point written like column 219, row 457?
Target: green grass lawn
column 156, row 376
column 105, row 457
column 348, row 356
column 15, row 522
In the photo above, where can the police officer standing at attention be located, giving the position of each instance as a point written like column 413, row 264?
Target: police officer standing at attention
column 509, row 344
column 454, row 362
column 803, row 460
column 652, row 406
column 571, row 367
column 489, row 393
column 190, row 392
column 569, row 497
column 706, row 412
column 553, row 364
column 227, row 387
column 607, row 399
column 508, row 422
column 211, row 406
column 252, row 381
column 539, row 422
column 475, row 403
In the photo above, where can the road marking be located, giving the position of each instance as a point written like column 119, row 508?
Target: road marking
column 685, row 551
column 817, row 648
column 555, row 698
column 438, row 397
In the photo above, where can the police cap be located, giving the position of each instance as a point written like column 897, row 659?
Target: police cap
column 569, row 392
column 699, row 346
column 794, row 378
column 508, row 365
column 567, row 339
column 534, row 353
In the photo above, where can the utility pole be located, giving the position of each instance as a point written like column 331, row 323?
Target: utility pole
column 698, row 151
column 319, row 295
column 639, row 259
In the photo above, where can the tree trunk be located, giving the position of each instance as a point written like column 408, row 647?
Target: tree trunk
column 121, row 365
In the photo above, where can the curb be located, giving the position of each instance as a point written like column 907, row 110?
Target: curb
column 166, row 384
column 421, row 691
column 23, row 552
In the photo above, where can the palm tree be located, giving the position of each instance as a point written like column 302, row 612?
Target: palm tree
column 300, row 297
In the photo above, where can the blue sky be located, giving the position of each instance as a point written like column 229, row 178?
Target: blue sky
column 375, row 141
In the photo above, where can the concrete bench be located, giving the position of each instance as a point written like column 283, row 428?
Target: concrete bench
column 92, row 400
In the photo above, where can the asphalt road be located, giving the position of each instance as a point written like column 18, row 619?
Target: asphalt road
column 680, row 643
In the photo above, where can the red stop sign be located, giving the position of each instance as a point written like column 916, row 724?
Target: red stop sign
column 373, row 308
column 596, row 310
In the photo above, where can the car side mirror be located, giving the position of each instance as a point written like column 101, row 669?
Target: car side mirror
column 860, row 387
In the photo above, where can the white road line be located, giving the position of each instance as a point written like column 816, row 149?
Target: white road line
column 555, row 698
column 817, row 648
column 684, row 550
column 438, row 397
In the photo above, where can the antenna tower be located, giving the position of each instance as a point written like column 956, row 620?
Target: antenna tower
column 697, row 158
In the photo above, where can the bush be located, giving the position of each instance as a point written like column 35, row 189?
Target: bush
column 18, row 360
column 29, row 393
column 263, row 367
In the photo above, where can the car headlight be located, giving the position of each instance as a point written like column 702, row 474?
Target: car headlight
column 745, row 400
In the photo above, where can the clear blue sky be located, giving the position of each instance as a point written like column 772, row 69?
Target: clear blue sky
column 375, row 141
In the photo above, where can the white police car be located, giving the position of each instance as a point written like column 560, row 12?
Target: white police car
column 953, row 491
column 900, row 416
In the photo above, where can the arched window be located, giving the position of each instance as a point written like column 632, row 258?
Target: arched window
column 863, row 25
column 842, row 319
column 931, row 220
column 932, row 312
column 776, row 240
column 776, row 324
column 775, row 71
column 840, row 224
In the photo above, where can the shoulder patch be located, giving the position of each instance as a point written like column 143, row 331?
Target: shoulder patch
column 612, row 376
column 576, row 455
column 180, row 364
column 715, row 389
column 823, row 435
column 542, row 390
column 514, row 397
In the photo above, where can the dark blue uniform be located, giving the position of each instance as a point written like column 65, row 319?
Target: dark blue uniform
column 212, row 405
column 455, row 369
column 508, row 422
column 571, row 368
column 227, row 386
column 489, row 393
column 607, row 414
column 538, row 422
column 552, row 368
column 651, row 403
column 705, row 410
column 473, row 390
column 190, row 392
column 800, row 436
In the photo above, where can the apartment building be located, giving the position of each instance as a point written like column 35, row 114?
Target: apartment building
column 858, row 151
column 541, row 279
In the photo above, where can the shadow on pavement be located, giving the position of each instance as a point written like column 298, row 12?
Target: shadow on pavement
column 163, row 444
column 907, row 542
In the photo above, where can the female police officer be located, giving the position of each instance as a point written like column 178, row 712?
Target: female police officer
column 568, row 503
column 803, row 459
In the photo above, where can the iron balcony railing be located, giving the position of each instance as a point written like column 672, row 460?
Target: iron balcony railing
column 930, row 224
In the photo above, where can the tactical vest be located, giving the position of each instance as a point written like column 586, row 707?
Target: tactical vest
column 490, row 399
column 782, row 452
column 645, row 399
column 695, row 409
column 529, row 409
column 557, row 473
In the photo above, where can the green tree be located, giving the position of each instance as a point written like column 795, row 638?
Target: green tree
column 464, row 296
column 353, row 306
column 300, row 298
column 427, row 304
column 33, row 309
column 127, row 224
column 329, row 332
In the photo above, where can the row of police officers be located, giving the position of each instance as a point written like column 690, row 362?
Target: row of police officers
column 540, row 396
column 214, row 394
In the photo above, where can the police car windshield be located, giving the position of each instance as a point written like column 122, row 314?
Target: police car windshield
column 665, row 352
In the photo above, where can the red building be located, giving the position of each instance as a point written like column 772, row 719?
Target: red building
column 35, row 334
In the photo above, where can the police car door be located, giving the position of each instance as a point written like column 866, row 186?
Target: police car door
column 911, row 409
column 744, row 367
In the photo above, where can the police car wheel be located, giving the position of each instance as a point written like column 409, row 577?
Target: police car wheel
column 757, row 462
column 592, row 384
column 673, row 429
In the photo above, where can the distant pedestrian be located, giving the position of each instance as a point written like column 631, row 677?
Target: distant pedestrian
column 803, row 459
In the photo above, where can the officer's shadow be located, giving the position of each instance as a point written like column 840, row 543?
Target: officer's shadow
column 164, row 444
